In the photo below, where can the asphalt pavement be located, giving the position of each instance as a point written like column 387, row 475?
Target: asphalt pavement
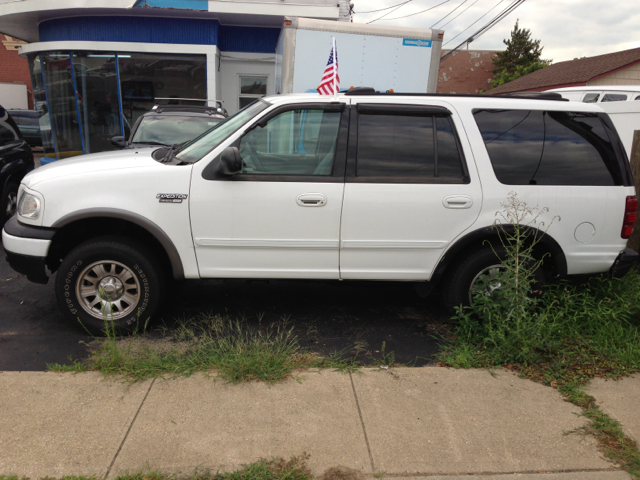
column 326, row 316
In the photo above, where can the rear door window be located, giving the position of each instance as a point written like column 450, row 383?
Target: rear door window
column 407, row 147
column 531, row 147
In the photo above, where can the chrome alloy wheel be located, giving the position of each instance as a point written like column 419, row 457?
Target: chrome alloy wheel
column 108, row 289
column 12, row 204
column 485, row 282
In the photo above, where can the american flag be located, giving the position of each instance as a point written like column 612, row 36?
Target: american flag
column 330, row 83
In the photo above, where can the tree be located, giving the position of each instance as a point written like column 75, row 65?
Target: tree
column 521, row 57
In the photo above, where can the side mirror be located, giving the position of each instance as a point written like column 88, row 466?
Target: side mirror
column 119, row 141
column 230, row 161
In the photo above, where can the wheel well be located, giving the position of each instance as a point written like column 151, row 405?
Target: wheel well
column 554, row 260
column 75, row 233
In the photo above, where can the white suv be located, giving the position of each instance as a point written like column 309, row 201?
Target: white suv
column 356, row 186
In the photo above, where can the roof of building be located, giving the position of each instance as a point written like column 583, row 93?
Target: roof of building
column 572, row 72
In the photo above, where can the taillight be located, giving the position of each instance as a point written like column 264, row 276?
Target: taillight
column 630, row 216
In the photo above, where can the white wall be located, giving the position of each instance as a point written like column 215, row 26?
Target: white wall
column 14, row 95
column 234, row 65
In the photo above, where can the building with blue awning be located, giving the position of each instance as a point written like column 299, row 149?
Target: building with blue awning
column 97, row 66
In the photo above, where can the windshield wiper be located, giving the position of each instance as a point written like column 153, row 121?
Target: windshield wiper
column 149, row 143
column 172, row 151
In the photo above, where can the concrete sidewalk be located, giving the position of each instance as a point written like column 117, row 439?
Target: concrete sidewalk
column 422, row 422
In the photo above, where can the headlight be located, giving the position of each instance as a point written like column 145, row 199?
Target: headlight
column 29, row 206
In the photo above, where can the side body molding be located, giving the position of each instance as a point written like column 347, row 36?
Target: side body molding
column 148, row 225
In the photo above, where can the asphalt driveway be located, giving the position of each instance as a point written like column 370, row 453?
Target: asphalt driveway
column 327, row 316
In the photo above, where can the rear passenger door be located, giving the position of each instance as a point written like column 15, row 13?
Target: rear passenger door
column 410, row 189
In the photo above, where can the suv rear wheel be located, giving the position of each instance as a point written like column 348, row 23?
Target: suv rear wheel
column 473, row 274
column 109, row 284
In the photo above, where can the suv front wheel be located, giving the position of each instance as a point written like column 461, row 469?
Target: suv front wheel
column 109, row 285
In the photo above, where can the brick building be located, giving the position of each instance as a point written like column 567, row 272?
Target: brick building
column 466, row 71
column 618, row 68
column 14, row 68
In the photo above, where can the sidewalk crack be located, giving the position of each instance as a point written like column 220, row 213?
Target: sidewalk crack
column 126, row 435
column 364, row 429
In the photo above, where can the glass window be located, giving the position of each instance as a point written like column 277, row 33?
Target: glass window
column 614, row 97
column 146, row 76
column 637, row 98
column 41, row 107
column 97, row 86
column 548, row 148
column 61, row 100
column 296, row 142
column 199, row 147
column 403, row 147
column 591, row 98
column 171, row 129
column 251, row 88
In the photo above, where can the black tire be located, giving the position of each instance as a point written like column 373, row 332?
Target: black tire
column 458, row 281
column 8, row 202
column 113, row 272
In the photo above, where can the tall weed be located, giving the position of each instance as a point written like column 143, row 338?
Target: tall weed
column 523, row 322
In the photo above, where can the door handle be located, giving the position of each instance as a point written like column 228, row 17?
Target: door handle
column 457, row 201
column 311, row 200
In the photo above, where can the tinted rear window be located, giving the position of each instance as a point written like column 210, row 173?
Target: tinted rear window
column 531, row 147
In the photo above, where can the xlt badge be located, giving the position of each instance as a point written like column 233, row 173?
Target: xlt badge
column 171, row 197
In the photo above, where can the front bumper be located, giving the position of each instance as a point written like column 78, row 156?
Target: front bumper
column 26, row 248
column 624, row 262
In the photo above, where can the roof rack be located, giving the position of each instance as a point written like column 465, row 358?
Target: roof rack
column 519, row 95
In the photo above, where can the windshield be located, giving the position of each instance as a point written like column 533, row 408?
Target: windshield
column 172, row 129
column 198, row 148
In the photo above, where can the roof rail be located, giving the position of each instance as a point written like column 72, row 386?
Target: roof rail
column 188, row 108
column 536, row 95
column 519, row 95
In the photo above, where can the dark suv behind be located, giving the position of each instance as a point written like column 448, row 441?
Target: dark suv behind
column 16, row 160
column 29, row 125
column 168, row 125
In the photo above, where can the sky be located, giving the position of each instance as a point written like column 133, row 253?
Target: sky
column 567, row 29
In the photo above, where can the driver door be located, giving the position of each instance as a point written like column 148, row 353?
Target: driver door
column 280, row 216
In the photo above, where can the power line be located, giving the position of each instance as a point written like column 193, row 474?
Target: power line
column 487, row 13
column 387, row 8
column 442, row 26
column 390, row 11
column 495, row 20
column 465, row 1
column 417, row 13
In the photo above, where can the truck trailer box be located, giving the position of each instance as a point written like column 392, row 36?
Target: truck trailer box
column 398, row 58
column 14, row 96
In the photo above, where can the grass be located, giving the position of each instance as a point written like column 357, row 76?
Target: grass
column 561, row 335
column 237, row 351
column 274, row 469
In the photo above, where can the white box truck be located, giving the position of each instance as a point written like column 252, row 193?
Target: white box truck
column 14, row 96
column 382, row 57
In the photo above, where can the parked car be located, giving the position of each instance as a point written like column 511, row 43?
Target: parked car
column 619, row 101
column 359, row 186
column 168, row 125
column 29, row 125
column 16, row 160
column 600, row 93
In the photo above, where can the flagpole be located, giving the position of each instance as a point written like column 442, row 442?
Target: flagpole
column 335, row 67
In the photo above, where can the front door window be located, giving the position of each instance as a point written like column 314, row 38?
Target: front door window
column 295, row 142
